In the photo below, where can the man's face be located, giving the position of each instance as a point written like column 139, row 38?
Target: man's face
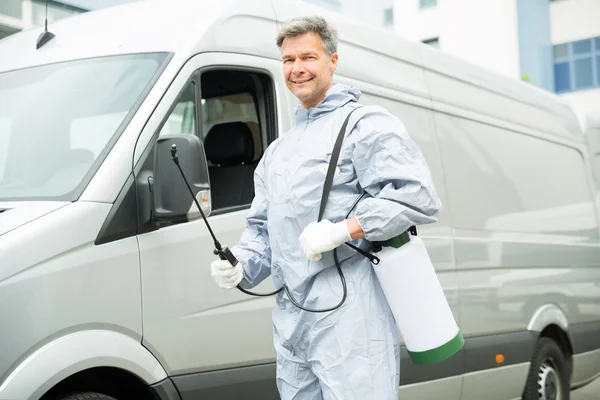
column 307, row 70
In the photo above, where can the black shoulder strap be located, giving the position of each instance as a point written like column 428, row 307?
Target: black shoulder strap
column 332, row 163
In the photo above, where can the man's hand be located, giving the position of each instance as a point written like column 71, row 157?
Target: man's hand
column 226, row 275
column 319, row 237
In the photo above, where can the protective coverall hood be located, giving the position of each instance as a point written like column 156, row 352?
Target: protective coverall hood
column 337, row 96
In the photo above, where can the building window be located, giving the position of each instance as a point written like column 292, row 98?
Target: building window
column 433, row 42
column 577, row 65
column 334, row 5
column 388, row 17
column 56, row 11
column 12, row 8
column 562, row 80
column 427, row 3
column 7, row 31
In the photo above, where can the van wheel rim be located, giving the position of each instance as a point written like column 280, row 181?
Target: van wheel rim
column 549, row 387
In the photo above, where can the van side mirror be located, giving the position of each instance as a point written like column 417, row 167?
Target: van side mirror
column 173, row 201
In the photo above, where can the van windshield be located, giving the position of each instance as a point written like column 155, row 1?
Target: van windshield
column 57, row 121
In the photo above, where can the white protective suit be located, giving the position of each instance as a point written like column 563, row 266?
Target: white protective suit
column 352, row 352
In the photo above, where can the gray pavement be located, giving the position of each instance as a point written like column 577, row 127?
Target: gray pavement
column 588, row 392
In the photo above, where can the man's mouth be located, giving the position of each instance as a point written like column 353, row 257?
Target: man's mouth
column 301, row 81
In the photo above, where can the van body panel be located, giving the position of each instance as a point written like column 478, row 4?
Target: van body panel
column 254, row 382
column 521, row 236
column 75, row 352
column 165, row 390
column 461, row 84
column 549, row 314
column 15, row 214
column 437, row 389
column 54, row 281
column 502, row 383
column 585, row 367
column 257, row 21
column 584, row 336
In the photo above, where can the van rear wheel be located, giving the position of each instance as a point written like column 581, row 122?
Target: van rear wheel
column 548, row 373
column 86, row 396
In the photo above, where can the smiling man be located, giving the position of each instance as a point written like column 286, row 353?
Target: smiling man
column 308, row 66
column 353, row 352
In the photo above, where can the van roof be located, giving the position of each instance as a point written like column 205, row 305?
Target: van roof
column 189, row 27
column 177, row 26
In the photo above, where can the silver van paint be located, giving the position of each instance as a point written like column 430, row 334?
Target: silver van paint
column 16, row 214
column 75, row 352
column 509, row 267
column 547, row 315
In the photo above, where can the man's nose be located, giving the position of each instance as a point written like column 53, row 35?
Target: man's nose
column 298, row 66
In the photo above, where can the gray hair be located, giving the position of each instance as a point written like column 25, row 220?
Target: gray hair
column 316, row 24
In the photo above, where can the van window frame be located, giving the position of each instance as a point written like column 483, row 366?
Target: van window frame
column 143, row 170
column 267, row 114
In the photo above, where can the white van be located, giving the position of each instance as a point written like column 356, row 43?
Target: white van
column 105, row 286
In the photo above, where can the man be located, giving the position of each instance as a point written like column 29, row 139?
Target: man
column 352, row 352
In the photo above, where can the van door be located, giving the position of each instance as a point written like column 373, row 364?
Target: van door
column 191, row 324
column 525, row 227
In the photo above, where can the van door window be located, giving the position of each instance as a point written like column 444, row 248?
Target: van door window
column 235, row 114
column 183, row 117
column 232, row 108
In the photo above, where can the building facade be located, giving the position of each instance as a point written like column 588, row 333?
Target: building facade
column 575, row 35
column 378, row 13
column 17, row 15
column 554, row 44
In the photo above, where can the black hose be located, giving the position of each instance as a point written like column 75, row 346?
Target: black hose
column 225, row 254
column 337, row 265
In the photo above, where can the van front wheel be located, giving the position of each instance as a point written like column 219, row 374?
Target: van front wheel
column 86, row 396
column 548, row 374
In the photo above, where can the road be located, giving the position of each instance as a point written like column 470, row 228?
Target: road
column 589, row 392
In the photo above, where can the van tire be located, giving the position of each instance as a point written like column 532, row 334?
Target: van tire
column 86, row 396
column 549, row 368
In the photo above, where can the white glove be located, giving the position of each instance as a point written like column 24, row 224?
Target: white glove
column 319, row 237
column 226, row 275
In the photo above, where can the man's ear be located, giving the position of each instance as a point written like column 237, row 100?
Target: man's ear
column 333, row 64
